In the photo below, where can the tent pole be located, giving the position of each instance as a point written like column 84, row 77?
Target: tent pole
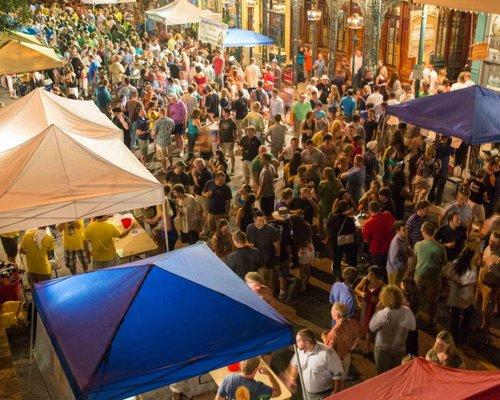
column 466, row 173
column 164, row 213
column 32, row 326
column 304, row 393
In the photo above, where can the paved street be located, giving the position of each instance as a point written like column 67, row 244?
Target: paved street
column 311, row 309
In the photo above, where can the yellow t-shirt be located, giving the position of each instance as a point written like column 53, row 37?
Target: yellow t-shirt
column 100, row 234
column 73, row 235
column 36, row 258
column 318, row 139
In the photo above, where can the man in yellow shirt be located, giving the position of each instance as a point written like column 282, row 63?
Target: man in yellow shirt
column 100, row 235
column 9, row 243
column 35, row 244
column 74, row 246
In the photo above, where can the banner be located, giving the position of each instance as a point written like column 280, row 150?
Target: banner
column 213, row 32
column 430, row 32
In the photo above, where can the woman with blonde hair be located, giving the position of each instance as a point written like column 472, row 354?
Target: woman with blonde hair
column 444, row 353
column 333, row 102
column 391, row 324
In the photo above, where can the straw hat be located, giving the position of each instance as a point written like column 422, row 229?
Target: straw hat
column 282, row 214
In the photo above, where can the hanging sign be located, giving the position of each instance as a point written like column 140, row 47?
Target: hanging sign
column 212, row 32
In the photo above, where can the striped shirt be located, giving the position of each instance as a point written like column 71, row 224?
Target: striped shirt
column 163, row 129
column 413, row 226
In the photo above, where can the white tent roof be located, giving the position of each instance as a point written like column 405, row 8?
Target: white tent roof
column 63, row 159
column 181, row 12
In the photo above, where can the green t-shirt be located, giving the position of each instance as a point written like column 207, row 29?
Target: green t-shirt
column 300, row 110
column 431, row 257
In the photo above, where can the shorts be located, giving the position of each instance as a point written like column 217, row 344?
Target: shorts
column 144, row 148
column 10, row 246
column 179, row 129
column 430, row 289
column 70, row 258
column 306, row 255
column 162, row 153
column 103, row 264
column 477, row 211
column 228, row 149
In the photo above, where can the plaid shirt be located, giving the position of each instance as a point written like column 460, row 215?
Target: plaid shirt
column 163, row 129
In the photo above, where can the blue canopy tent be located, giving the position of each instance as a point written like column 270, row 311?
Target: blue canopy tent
column 471, row 114
column 130, row 329
column 243, row 38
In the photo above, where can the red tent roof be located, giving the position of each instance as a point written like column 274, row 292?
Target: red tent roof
column 421, row 379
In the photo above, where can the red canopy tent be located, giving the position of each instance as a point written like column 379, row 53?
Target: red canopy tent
column 420, row 379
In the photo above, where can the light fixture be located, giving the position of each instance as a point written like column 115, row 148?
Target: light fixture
column 355, row 22
column 313, row 15
column 251, row 3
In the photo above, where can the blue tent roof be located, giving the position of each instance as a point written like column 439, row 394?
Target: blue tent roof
column 471, row 114
column 130, row 329
column 243, row 38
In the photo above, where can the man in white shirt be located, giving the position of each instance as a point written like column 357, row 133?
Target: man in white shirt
column 252, row 75
column 376, row 97
column 432, row 78
column 321, row 367
column 464, row 81
column 276, row 105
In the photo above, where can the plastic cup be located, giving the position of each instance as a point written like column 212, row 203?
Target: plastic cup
column 234, row 367
column 126, row 222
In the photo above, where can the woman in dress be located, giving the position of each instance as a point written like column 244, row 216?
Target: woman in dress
column 368, row 291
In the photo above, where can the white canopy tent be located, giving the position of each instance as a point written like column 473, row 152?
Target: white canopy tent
column 181, row 12
column 63, row 159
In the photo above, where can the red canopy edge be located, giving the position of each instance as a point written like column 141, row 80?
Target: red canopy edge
column 421, row 379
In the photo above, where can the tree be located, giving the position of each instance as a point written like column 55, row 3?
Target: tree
column 13, row 14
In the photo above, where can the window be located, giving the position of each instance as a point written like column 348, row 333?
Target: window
column 442, row 33
column 457, row 52
column 342, row 34
column 393, row 45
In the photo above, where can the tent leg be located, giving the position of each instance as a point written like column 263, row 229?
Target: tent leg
column 32, row 327
column 466, row 173
column 164, row 212
column 304, row 393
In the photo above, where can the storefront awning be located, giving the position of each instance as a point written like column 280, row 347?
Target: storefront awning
column 487, row 6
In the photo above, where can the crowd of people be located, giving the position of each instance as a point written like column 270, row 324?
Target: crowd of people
column 274, row 175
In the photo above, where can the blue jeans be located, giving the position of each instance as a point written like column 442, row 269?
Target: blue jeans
column 133, row 138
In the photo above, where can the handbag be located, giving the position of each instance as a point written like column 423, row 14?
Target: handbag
column 344, row 239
